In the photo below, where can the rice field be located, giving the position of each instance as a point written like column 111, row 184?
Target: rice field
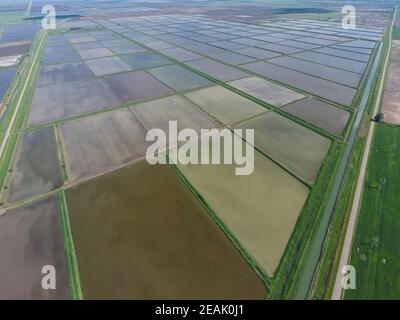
column 165, row 231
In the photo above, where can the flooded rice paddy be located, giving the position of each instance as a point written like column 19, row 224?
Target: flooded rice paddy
column 100, row 143
column 37, row 168
column 224, row 105
column 295, row 147
column 129, row 246
column 30, row 238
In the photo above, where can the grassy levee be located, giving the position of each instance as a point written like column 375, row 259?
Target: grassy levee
column 22, row 114
column 375, row 252
column 74, row 283
column 324, row 278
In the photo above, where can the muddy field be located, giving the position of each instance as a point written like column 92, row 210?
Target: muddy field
column 164, row 249
column 108, row 65
column 179, row 78
column 181, row 54
column 320, row 114
column 50, row 75
column 30, row 238
column 137, row 85
column 295, row 147
column 67, row 99
column 100, row 143
column 217, row 70
column 224, row 105
column 323, row 88
column 253, row 207
column 158, row 113
column 37, row 169
column 267, row 91
column 346, row 78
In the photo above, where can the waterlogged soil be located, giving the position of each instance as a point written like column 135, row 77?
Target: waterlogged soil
column 137, row 85
column 50, row 75
column 293, row 146
column 146, row 249
column 267, row 91
column 179, row 78
column 61, row 56
column 37, row 169
column 217, row 70
column 255, row 207
column 320, row 87
column 100, row 143
column 333, row 61
column 68, row 99
column 224, row 105
column 144, row 60
column 107, row 65
column 321, row 114
column 157, row 114
column 30, row 238
column 347, row 78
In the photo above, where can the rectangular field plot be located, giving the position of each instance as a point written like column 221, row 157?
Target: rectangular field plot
column 88, row 46
column 108, row 65
column 6, row 77
column 181, row 54
column 347, row 78
column 61, row 56
column 320, row 87
column 127, row 48
column 102, row 142
column 231, row 58
column 79, row 38
column 345, row 54
column 158, row 113
column 337, row 62
column 217, row 70
column 224, row 105
column 36, row 170
column 179, row 78
column 267, row 91
column 54, row 74
column 255, row 207
column 30, row 238
column 145, row 60
column 257, row 53
column 164, row 249
column 67, row 99
column 320, row 114
column 95, row 53
column 136, row 85
column 293, row 146
column 276, row 47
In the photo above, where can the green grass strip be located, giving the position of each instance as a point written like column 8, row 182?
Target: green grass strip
column 74, row 282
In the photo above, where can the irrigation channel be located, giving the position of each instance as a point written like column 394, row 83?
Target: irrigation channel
column 307, row 273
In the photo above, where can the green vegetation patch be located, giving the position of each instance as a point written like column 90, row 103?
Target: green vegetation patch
column 376, row 247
